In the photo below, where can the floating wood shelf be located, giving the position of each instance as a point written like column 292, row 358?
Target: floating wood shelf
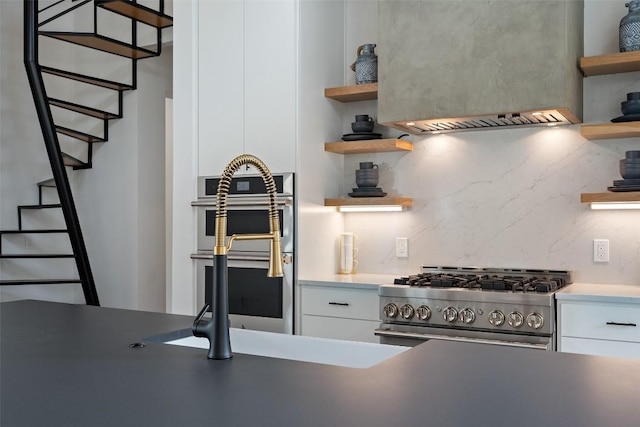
column 370, row 201
column 614, row 63
column 610, row 130
column 609, row 196
column 368, row 146
column 364, row 92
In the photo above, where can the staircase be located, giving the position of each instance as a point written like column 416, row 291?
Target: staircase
column 35, row 23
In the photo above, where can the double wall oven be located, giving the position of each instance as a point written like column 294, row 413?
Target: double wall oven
column 255, row 301
column 501, row 306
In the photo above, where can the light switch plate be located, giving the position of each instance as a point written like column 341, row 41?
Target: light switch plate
column 402, row 247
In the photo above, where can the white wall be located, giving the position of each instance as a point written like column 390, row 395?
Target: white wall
column 511, row 198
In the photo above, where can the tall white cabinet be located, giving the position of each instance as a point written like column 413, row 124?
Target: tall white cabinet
column 247, row 73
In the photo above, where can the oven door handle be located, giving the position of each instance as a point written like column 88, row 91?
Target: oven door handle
column 424, row 337
column 245, row 202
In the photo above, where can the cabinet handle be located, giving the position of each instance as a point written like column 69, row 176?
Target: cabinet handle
column 621, row 324
column 344, row 304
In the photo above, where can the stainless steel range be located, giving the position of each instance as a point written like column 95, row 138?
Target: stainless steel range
column 502, row 306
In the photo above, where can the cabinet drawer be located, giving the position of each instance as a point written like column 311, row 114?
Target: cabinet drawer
column 341, row 329
column 600, row 347
column 600, row 321
column 346, row 303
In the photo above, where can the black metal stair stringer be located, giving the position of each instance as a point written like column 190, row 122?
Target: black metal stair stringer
column 54, row 153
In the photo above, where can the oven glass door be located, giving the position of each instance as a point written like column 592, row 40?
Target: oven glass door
column 256, row 301
column 251, row 292
column 415, row 335
column 243, row 220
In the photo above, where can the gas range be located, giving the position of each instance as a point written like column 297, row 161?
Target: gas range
column 509, row 301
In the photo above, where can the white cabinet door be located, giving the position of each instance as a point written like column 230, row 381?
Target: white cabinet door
column 600, row 347
column 270, row 82
column 220, row 84
column 247, row 83
column 339, row 328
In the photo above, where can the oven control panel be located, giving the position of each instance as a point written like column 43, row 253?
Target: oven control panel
column 526, row 318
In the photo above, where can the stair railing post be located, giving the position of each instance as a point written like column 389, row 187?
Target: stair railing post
column 52, row 144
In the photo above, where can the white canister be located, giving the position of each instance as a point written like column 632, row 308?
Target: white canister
column 347, row 252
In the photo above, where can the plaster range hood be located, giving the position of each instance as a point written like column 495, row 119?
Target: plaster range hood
column 459, row 65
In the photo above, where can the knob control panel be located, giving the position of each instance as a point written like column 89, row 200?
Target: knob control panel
column 406, row 311
column 450, row 314
column 496, row 318
column 467, row 316
column 535, row 320
column 390, row 310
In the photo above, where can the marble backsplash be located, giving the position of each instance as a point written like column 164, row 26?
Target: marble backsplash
column 499, row 198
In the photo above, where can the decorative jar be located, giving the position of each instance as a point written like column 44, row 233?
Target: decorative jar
column 630, row 28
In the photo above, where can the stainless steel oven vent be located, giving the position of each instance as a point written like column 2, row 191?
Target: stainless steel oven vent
column 511, row 120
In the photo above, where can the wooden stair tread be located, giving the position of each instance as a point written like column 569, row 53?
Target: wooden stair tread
column 137, row 12
column 102, row 43
column 71, row 161
column 108, row 84
column 38, row 282
column 43, row 231
column 36, row 255
column 79, row 135
column 48, row 183
column 88, row 111
column 47, row 206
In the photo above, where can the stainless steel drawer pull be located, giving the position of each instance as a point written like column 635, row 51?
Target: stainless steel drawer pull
column 344, row 304
column 621, row 324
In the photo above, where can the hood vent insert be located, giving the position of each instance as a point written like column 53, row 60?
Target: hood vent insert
column 526, row 119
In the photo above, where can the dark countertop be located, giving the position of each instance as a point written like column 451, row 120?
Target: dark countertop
column 71, row 365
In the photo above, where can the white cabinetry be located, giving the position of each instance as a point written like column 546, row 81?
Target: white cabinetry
column 247, row 83
column 599, row 326
column 341, row 313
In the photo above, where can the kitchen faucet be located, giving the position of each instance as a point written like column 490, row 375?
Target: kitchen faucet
column 216, row 330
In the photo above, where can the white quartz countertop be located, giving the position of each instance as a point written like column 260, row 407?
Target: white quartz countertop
column 600, row 292
column 360, row 280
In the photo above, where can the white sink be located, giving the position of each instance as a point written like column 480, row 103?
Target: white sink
column 348, row 354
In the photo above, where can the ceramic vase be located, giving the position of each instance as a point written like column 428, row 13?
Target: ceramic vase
column 630, row 28
column 366, row 65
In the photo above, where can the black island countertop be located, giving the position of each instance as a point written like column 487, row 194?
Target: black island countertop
column 71, row 365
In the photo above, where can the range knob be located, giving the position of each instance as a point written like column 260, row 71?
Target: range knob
column 423, row 312
column 515, row 319
column 535, row 320
column 467, row 316
column 406, row 311
column 390, row 310
column 496, row 317
column 450, row 314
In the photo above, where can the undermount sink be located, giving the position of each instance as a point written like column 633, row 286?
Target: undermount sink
column 326, row 351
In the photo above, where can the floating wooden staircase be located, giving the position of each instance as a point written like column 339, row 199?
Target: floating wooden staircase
column 58, row 159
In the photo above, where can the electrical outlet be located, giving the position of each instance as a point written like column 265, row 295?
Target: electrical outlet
column 402, row 247
column 601, row 250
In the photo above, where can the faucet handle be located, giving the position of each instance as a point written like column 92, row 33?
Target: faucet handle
column 196, row 328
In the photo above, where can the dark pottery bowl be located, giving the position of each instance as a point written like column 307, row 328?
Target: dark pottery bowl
column 630, row 162
column 632, row 154
column 630, row 171
column 630, row 107
column 633, row 95
column 362, row 126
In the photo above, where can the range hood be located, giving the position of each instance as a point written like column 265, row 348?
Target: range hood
column 459, row 65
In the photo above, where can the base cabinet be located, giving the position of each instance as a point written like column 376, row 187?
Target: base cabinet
column 340, row 313
column 603, row 329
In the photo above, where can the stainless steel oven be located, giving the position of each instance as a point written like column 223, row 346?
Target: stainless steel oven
column 255, row 300
column 247, row 208
column 512, row 307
